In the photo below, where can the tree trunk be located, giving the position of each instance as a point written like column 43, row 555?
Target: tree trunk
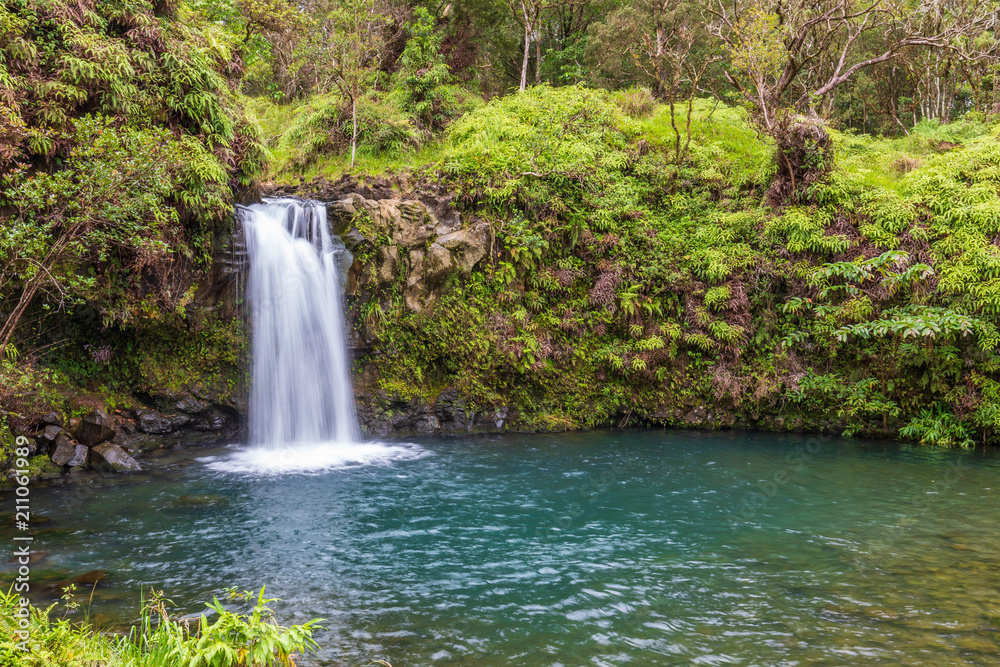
column 354, row 133
column 524, row 60
column 538, row 60
column 32, row 286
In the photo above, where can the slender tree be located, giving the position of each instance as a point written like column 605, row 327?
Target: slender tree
column 528, row 14
column 354, row 41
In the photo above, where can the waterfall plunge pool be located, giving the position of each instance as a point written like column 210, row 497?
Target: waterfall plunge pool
column 599, row 548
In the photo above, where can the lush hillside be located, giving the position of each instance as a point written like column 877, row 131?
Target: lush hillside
column 761, row 214
column 624, row 287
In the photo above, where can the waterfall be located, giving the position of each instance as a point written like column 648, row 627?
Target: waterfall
column 300, row 391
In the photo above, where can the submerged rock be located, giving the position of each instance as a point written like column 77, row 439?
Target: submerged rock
column 33, row 521
column 204, row 500
column 95, row 428
column 112, row 458
column 86, row 580
column 881, row 613
column 33, row 557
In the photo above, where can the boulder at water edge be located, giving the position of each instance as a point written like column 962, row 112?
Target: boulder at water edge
column 63, row 450
column 112, row 458
column 95, row 428
column 47, row 437
column 80, row 456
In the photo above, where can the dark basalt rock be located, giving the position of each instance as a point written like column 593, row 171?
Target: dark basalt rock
column 47, row 437
column 95, row 428
column 81, row 454
column 54, row 418
column 352, row 238
column 64, row 450
column 213, row 420
column 156, row 423
column 696, row 417
column 45, row 440
column 381, row 415
column 191, row 405
column 112, row 458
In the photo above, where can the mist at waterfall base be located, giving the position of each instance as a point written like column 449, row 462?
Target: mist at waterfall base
column 301, row 407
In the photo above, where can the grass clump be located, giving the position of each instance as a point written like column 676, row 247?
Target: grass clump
column 34, row 637
column 312, row 136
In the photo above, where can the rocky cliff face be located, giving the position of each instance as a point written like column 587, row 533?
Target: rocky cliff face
column 425, row 248
column 413, row 232
column 411, row 238
column 416, row 236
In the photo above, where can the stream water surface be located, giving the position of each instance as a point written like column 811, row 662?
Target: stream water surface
column 600, row 548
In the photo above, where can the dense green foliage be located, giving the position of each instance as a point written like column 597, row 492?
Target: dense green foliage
column 124, row 137
column 158, row 640
column 678, row 215
column 879, row 67
column 626, row 285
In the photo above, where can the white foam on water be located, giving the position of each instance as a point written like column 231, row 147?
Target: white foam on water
column 314, row 457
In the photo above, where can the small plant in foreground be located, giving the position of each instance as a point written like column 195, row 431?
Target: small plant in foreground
column 231, row 640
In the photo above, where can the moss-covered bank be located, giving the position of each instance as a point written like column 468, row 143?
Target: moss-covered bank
column 624, row 286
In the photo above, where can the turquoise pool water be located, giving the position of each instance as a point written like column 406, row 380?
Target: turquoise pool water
column 601, row 548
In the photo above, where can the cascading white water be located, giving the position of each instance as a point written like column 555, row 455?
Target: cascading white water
column 301, row 408
column 301, row 387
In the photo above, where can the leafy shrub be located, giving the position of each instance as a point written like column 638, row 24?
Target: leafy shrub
column 423, row 71
column 324, row 128
column 230, row 640
column 383, row 125
column 637, row 102
column 63, row 60
column 937, row 427
column 556, row 139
